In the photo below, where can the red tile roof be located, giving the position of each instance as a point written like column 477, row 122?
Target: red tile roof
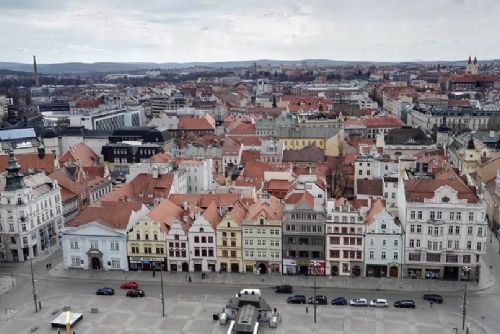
column 384, row 122
column 419, row 189
column 162, row 157
column 271, row 209
column 212, row 214
column 190, row 123
column 165, row 213
column 277, row 185
column 303, row 197
column 82, row 154
column 112, row 214
column 370, row 187
column 377, row 207
column 143, row 189
column 250, row 156
column 31, row 161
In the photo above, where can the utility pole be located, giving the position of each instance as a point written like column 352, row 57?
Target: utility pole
column 315, row 267
column 466, row 270
column 33, row 283
column 162, row 295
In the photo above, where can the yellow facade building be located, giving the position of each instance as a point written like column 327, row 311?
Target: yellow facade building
column 146, row 245
column 229, row 250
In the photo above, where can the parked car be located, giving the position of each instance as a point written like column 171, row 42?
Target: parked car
column 135, row 293
column 433, row 298
column 105, row 291
column 297, row 299
column 379, row 303
column 339, row 301
column 318, row 300
column 405, row 303
column 283, row 289
column 129, row 285
column 358, row 302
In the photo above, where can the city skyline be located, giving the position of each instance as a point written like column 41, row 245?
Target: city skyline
column 205, row 31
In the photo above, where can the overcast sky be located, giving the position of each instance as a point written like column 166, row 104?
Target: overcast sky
column 218, row 30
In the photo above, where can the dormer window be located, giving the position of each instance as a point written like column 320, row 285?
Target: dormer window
column 262, row 221
column 384, row 226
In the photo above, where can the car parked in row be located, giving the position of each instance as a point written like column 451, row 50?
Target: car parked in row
column 358, row 302
column 433, row 298
column 283, row 289
column 405, row 303
column 318, row 300
column 339, row 301
column 297, row 299
column 130, row 285
column 379, row 303
column 105, row 292
column 135, row 293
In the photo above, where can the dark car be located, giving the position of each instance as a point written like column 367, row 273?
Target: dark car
column 339, row 301
column 105, row 292
column 283, row 289
column 433, row 298
column 405, row 303
column 135, row 293
column 297, row 299
column 319, row 300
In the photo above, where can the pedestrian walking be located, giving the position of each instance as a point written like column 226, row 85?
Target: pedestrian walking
column 189, row 279
column 50, row 265
column 47, row 266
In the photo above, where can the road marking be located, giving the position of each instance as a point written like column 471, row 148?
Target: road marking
column 6, row 314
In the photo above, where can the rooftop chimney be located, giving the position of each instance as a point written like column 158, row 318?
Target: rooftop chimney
column 37, row 84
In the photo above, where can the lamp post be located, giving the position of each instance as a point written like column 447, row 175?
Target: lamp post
column 466, row 270
column 33, row 284
column 162, row 295
column 315, row 265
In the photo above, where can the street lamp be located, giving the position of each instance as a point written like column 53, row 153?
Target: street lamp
column 33, row 284
column 315, row 265
column 466, row 270
column 162, row 294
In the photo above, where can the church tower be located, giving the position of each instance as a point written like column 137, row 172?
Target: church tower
column 472, row 66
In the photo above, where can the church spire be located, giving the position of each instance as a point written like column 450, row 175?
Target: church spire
column 470, row 60
column 14, row 178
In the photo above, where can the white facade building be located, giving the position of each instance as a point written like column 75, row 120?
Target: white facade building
column 384, row 243
column 31, row 214
column 202, row 243
column 445, row 227
column 199, row 175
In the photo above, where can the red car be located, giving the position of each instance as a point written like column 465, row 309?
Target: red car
column 129, row 285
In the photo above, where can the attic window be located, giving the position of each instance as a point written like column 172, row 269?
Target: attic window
column 262, row 221
column 150, row 195
column 228, row 224
column 384, row 226
column 202, row 229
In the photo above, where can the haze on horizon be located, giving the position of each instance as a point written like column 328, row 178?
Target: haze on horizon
column 212, row 30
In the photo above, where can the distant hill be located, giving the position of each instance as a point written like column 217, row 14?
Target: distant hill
column 106, row 67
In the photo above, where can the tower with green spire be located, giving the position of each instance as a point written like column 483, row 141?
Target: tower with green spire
column 14, row 178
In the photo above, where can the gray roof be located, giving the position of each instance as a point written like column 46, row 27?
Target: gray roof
column 407, row 136
column 13, row 134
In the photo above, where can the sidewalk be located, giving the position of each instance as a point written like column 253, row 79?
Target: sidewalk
column 6, row 284
column 368, row 283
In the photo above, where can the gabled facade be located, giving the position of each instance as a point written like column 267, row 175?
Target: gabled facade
column 262, row 240
column 146, row 245
column 229, row 248
column 202, row 241
column 384, row 243
column 303, row 234
column 344, row 239
column 445, row 227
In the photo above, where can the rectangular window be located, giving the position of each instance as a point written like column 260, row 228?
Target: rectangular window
column 433, row 215
column 452, row 215
column 419, row 228
column 470, row 230
column 469, row 244
column 115, row 263
column 466, row 258
column 415, row 257
column 459, row 215
column 396, row 255
column 412, row 243
column 478, row 246
column 457, row 229
column 479, row 231
column 412, row 228
column 372, row 254
column 433, row 257
column 334, row 253
column 471, row 216
column 412, row 215
column 457, row 244
column 419, row 215
column 439, row 215
column 383, row 255
column 75, row 261
column 450, row 229
column 196, row 239
column 74, row 245
column 396, row 242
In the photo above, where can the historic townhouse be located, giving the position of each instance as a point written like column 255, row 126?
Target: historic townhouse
column 229, row 250
column 445, row 225
column 146, row 245
column 262, row 236
column 202, row 241
column 383, row 243
column 31, row 214
column 344, row 238
column 303, row 234
column 175, row 220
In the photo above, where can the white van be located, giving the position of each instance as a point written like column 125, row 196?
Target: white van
column 249, row 292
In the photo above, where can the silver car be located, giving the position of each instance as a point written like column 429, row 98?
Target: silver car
column 379, row 303
column 358, row 302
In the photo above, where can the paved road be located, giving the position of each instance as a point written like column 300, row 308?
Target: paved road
column 17, row 304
